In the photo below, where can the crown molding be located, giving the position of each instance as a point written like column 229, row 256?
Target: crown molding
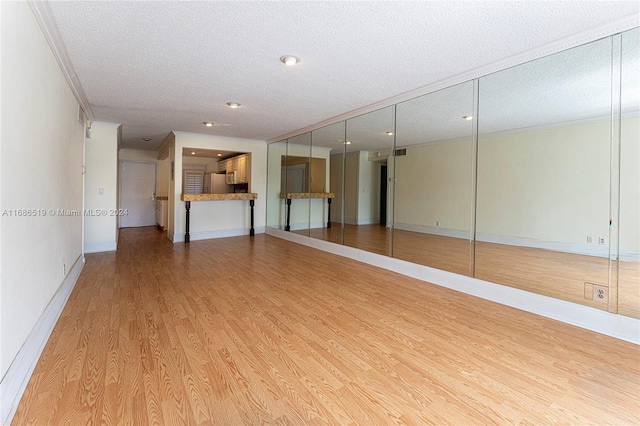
column 44, row 16
column 217, row 137
column 105, row 124
column 593, row 34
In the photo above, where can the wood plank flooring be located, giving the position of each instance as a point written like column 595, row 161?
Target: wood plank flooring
column 244, row 331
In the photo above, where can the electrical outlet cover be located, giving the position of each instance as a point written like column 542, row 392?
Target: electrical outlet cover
column 601, row 294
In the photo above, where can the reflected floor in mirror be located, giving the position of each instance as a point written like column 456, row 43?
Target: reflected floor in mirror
column 240, row 330
column 448, row 254
column 552, row 273
column 372, row 238
column 629, row 289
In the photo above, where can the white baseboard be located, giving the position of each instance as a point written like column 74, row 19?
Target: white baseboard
column 454, row 233
column 368, row 221
column 585, row 249
column 15, row 381
column 629, row 256
column 100, row 246
column 223, row 233
column 312, row 225
column 316, row 225
column 618, row 326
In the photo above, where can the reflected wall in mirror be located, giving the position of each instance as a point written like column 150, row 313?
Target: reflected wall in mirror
column 543, row 177
column 295, row 184
column 368, row 166
column 433, row 188
column 629, row 231
column 310, row 174
column 276, row 208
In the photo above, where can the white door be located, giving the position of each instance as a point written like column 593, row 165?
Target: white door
column 137, row 187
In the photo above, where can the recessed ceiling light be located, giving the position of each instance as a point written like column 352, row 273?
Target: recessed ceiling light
column 347, row 142
column 289, row 60
column 389, row 133
column 207, row 123
column 233, row 104
column 146, row 139
column 468, row 117
column 219, row 155
column 193, row 153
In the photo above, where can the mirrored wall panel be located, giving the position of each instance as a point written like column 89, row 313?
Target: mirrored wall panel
column 276, row 207
column 543, row 184
column 433, row 179
column 629, row 232
column 328, row 144
column 295, row 184
column 529, row 177
column 368, row 196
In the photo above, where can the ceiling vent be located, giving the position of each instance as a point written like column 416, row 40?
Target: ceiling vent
column 399, row 152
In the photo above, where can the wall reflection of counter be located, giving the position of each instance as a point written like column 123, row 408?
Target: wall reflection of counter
column 306, row 195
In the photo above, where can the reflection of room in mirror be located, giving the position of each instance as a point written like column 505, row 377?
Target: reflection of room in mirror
column 434, row 179
column 528, row 177
column 543, row 177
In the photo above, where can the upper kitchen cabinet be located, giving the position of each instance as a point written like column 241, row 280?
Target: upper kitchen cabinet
column 239, row 165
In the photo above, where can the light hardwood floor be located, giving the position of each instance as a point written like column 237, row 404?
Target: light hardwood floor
column 259, row 330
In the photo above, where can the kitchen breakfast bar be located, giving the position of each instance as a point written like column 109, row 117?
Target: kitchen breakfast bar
column 188, row 198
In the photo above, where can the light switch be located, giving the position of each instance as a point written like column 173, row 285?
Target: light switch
column 101, row 191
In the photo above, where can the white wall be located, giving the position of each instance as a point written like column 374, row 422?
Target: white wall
column 2, row 62
column 630, row 188
column 276, row 208
column 300, row 209
column 352, row 163
column 210, row 163
column 164, row 177
column 335, row 186
column 42, row 148
column 137, row 155
column 319, row 206
column 173, row 194
column 368, row 190
column 361, row 188
column 219, row 218
column 548, row 185
column 433, row 184
column 101, row 164
column 531, row 186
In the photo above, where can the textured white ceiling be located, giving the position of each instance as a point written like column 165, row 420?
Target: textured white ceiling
column 161, row 66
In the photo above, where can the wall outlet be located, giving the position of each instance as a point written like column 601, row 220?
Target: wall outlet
column 335, row 236
column 438, row 223
column 589, row 239
column 601, row 294
column 602, row 241
column 64, row 269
